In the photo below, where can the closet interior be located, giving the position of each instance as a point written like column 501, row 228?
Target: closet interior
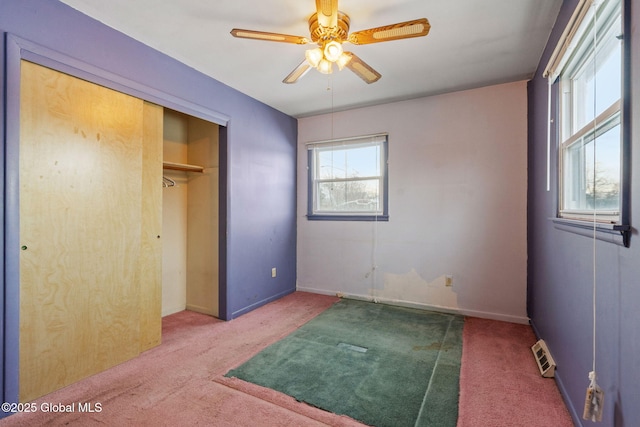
column 189, row 214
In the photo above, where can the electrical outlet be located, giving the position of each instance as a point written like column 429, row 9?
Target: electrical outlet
column 273, row 272
column 448, row 280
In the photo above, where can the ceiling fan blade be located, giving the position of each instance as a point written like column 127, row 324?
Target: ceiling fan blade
column 327, row 13
column 362, row 69
column 298, row 72
column 402, row 30
column 273, row 37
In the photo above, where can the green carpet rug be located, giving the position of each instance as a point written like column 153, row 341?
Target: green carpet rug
column 379, row 364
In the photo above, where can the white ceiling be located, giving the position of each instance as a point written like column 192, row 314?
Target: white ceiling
column 472, row 43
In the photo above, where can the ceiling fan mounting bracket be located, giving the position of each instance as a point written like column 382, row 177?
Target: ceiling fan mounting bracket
column 322, row 35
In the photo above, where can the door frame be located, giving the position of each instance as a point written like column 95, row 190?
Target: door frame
column 14, row 51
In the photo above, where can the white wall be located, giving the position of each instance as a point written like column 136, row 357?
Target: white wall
column 457, row 206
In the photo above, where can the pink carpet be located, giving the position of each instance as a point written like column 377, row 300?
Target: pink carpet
column 500, row 385
column 182, row 383
column 173, row 384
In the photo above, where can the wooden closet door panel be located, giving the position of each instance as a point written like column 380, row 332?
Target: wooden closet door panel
column 151, row 249
column 80, row 226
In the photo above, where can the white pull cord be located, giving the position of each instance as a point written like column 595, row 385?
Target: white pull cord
column 593, row 405
column 549, row 120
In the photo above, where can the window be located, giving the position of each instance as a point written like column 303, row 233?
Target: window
column 590, row 98
column 590, row 103
column 589, row 76
column 348, row 179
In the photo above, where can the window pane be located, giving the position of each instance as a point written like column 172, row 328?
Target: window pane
column 597, row 83
column 349, row 196
column 579, row 173
column 349, row 162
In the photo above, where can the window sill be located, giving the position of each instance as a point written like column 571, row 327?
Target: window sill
column 614, row 233
column 381, row 218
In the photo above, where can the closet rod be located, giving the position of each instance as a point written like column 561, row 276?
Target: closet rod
column 182, row 167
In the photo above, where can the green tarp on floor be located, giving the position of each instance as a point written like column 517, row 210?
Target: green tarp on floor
column 382, row 365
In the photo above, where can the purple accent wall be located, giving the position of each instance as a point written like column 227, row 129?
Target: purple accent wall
column 258, row 148
column 560, row 269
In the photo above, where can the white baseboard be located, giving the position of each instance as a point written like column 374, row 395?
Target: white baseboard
column 316, row 291
column 411, row 304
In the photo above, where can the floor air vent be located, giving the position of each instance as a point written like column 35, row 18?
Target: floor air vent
column 546, row 365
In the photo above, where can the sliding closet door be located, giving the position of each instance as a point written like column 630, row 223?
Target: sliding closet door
column 90, row 206
column 150, row 264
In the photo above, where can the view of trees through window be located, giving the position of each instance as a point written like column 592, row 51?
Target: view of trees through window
column 349, row 178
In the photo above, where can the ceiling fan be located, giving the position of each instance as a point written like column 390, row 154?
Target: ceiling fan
column 329, row 29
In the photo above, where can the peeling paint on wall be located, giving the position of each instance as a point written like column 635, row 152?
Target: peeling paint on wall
column 412, row 287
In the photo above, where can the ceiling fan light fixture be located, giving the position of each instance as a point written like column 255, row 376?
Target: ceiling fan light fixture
column 333, row 51
column 314, row 56
column 325, row 67
column 343, row 60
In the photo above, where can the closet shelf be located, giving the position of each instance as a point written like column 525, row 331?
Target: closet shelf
column 182, row 167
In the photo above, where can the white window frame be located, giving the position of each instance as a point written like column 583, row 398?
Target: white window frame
column 315, row 180
column 578, row 50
